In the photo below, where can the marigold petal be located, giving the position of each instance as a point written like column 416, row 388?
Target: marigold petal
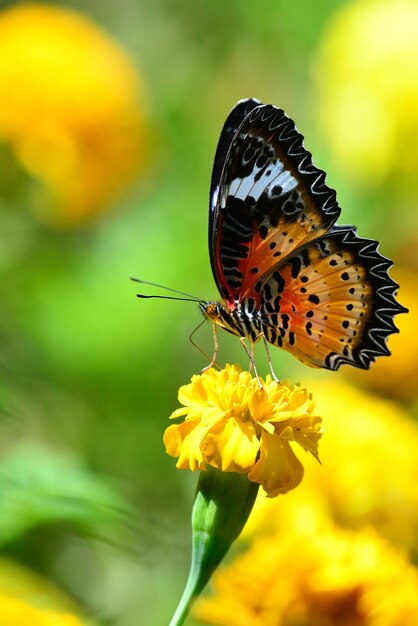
column 260, row 405
column 287, row 433
column 269, row 427
column 192, row 394
column 231, row 446
column 209, row 416
column 307, row 433
column 184, row 440
column 278, row 470
column 184, row 410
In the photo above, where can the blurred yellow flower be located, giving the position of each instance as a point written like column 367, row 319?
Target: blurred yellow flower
column 368, row 475
column 332, row 578
column 15, row 612
column 69, row 109
column 398, row 376
column 368, row 90
column 235, row 426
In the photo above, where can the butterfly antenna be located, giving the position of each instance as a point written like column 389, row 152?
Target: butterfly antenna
column 189, row 297
column 147, row 297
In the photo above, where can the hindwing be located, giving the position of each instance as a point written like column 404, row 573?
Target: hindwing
column 331, row 302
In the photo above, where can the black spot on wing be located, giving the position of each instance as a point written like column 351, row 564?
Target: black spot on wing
column 264, row 140
column 259, row 143
column 380, row 323
column 314, row 299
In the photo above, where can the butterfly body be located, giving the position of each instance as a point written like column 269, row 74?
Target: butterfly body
column 242, row 319
column 285, row 271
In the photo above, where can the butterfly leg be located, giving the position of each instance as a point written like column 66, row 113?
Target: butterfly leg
column 215, row 349
column 251, row 357
column 269, row 359
column 251, row 365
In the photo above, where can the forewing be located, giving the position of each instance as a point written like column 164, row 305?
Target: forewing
column 271, row 200
column 232, row 123
column 332, row 302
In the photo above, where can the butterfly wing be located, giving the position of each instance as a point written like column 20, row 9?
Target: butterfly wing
column 232, row 123
column 331, row 302
column 270, row 199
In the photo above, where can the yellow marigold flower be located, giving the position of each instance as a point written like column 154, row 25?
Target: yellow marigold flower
column 370, row 470
column 368, row 88
column 336, row 577
column 69, row 109
column 16, row 612
column 368, row 473
column 235, row 426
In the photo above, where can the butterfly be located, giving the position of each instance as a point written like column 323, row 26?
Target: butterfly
column 285, row 271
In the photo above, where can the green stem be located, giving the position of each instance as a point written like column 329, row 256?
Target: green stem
column 187, row 599
column 222, row 505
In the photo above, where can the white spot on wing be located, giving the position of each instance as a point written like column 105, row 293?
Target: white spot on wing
column 265, row 180
column 286, row 181
column 233, row 187
column 243, row 187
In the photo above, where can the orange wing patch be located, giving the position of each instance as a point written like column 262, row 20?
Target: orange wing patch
column 331, row 303
column 271, row 245
column 271, row 201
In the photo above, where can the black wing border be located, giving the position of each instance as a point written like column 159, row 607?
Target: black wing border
column 229, row 130
column 284, row 129
column 380, row 324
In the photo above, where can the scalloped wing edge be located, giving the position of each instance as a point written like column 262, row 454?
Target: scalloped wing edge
column 381, row 322
column 293, row 145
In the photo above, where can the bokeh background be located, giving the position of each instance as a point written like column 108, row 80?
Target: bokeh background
column 109, row 117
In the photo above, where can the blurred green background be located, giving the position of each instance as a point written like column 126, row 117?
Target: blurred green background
column 109, row 118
